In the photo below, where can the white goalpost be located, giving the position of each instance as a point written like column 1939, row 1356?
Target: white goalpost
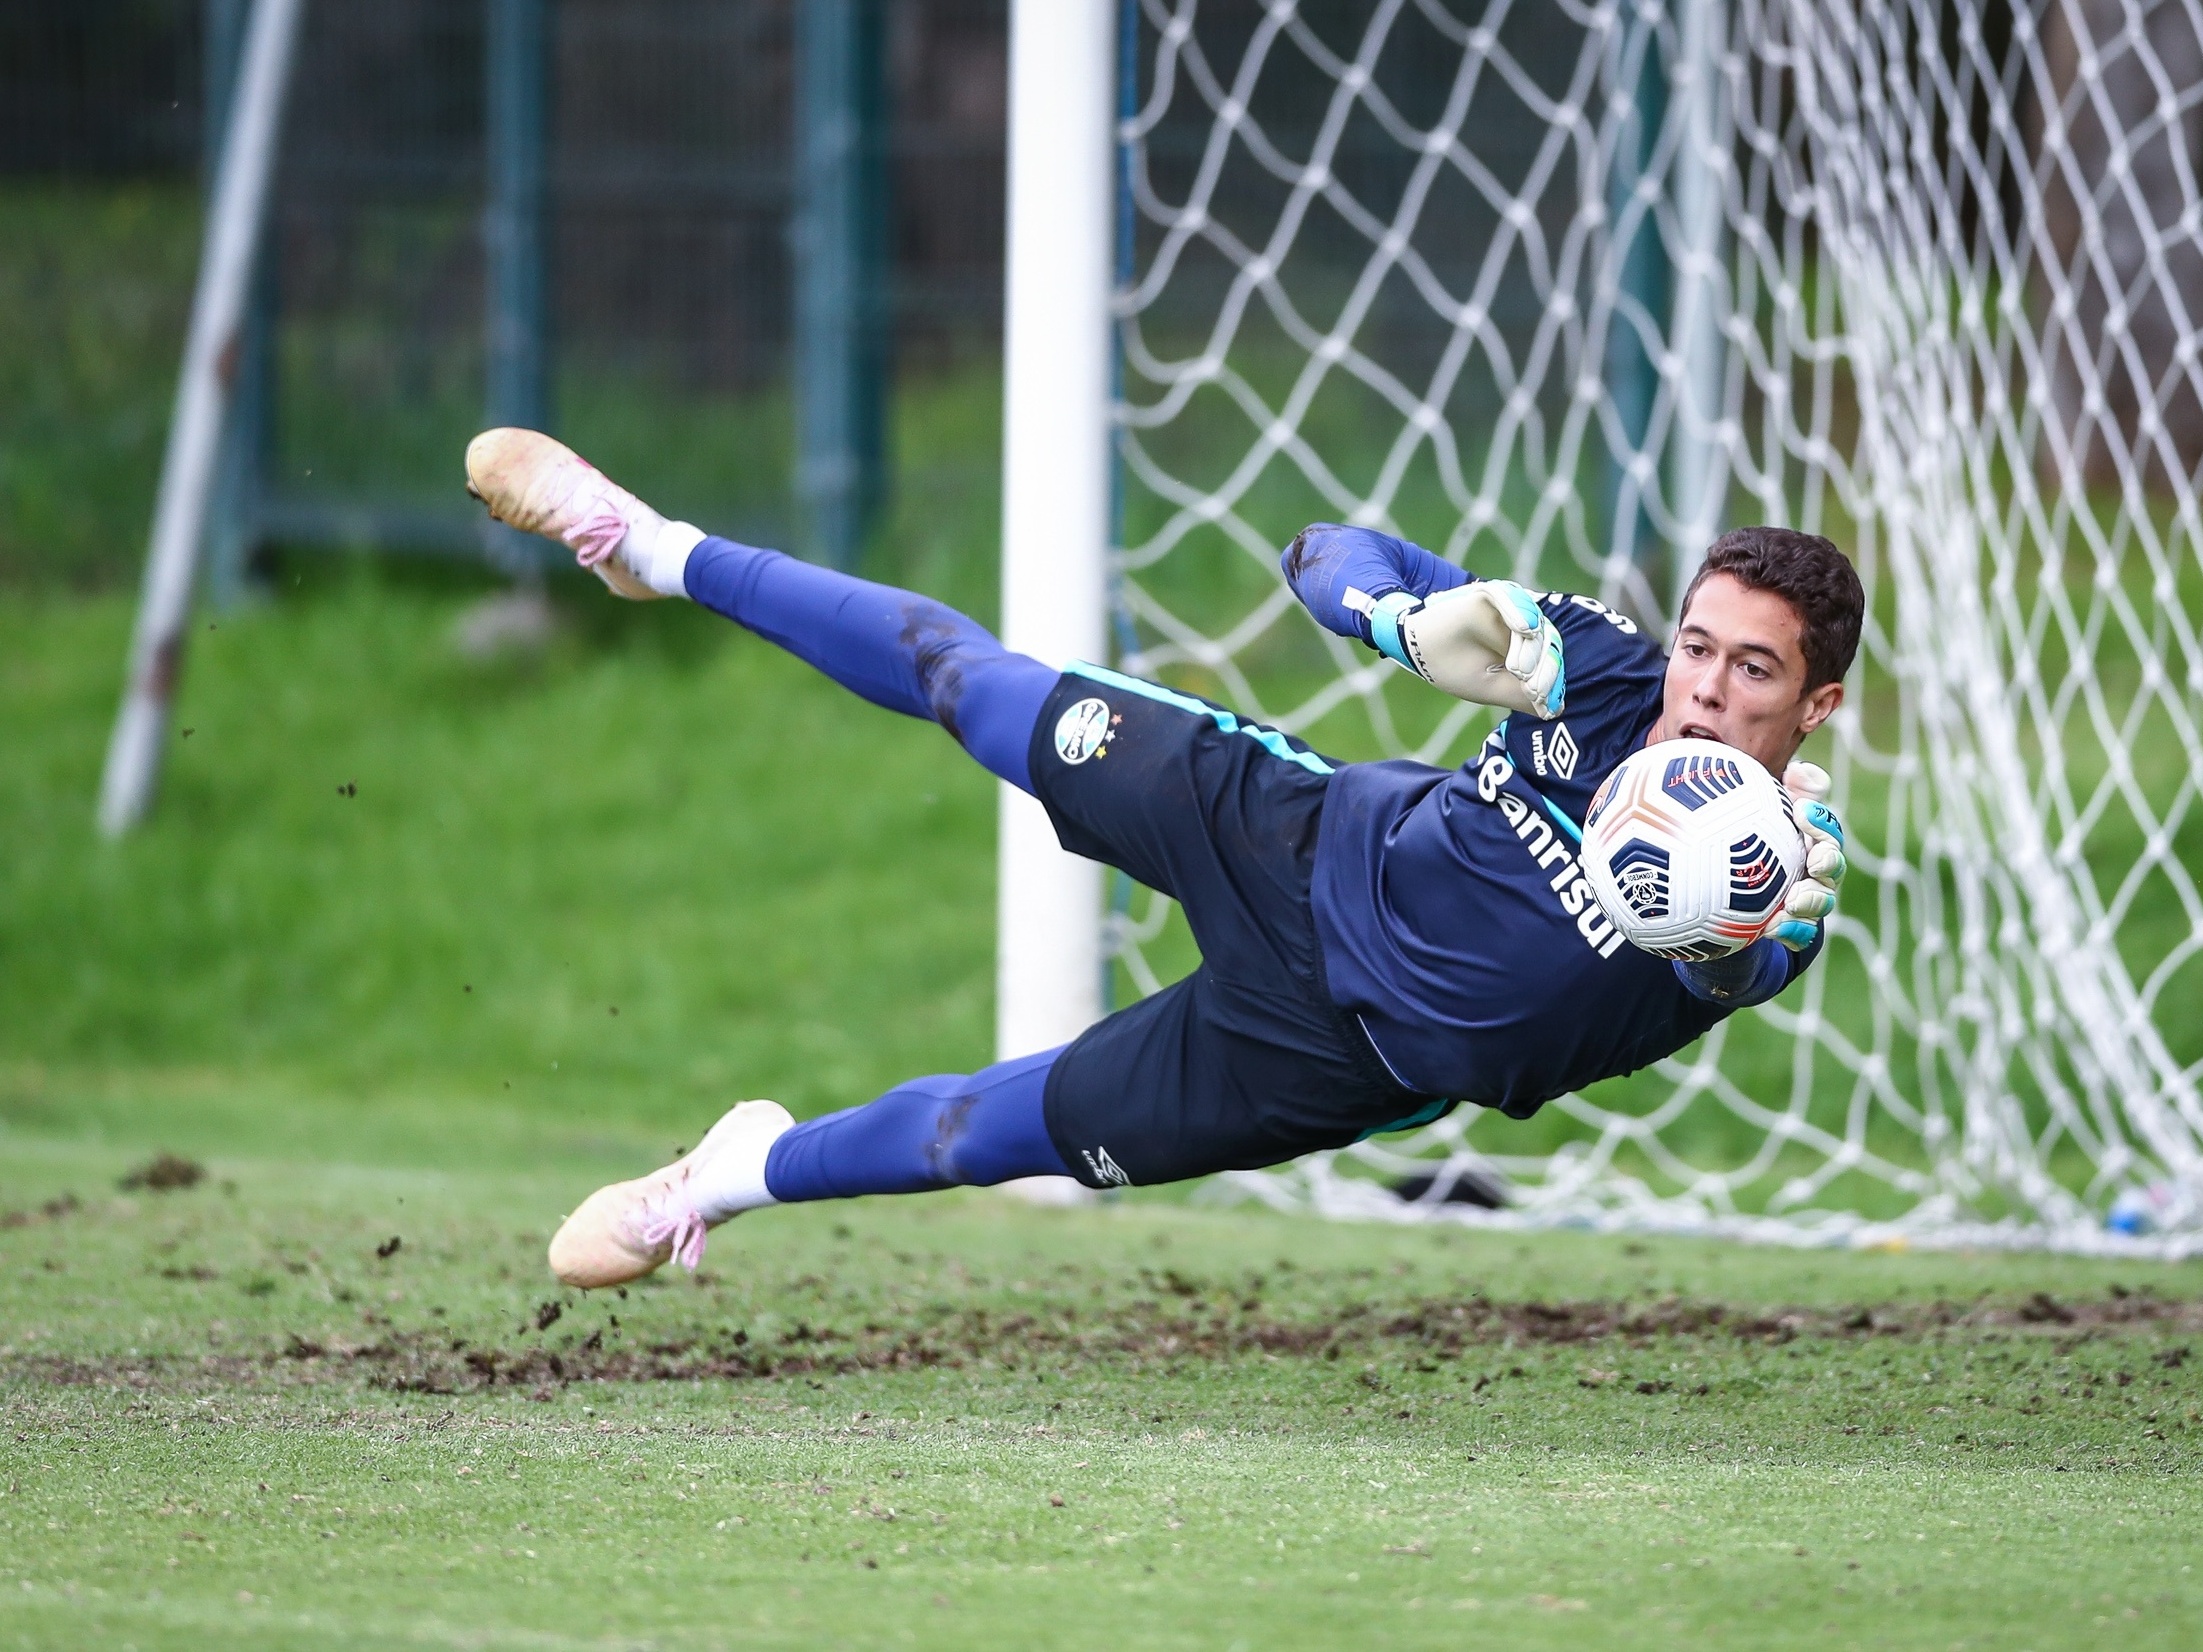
column 1055, row 491
column 1561, row 290
column 1055, row 480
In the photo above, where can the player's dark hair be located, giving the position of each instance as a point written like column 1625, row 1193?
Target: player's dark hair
column 1810, row 574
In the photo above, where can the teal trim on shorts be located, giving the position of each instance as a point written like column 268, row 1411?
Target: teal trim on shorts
column 1423, row 1115
column 1268, row 739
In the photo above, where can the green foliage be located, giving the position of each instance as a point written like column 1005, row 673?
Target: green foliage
column 95, row 284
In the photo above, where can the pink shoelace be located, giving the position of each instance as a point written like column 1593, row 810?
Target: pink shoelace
column 676, row 1219
column 596, row 536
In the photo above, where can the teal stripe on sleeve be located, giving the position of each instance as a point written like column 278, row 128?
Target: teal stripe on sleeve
column 1268, row 739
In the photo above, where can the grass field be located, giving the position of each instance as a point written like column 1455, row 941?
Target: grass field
column 224, row 1412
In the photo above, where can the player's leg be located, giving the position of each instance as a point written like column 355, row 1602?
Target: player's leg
column 896, row 648
column 930, row 1133
column 1207, row 1075
column 922, row 1136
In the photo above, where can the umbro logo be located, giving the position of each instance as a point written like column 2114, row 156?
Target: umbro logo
column 1556, row 755
column 1106, row 1170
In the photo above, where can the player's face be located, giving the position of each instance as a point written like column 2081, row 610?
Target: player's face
column 1738, row 675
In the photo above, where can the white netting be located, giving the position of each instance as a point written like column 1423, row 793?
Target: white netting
column 1560, row 289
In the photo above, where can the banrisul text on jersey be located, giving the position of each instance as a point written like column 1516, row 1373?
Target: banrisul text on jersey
column 1548, row 837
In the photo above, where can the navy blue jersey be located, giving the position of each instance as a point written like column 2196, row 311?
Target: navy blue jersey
column 1453, row 917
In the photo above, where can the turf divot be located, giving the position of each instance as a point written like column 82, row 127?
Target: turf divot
column 1142, row 1335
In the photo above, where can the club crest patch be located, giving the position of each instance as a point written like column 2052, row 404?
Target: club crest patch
column 1083, row 731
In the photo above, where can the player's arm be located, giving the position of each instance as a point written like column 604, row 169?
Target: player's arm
column 1484, row 640
column 1745, row 978
column 1779, row 957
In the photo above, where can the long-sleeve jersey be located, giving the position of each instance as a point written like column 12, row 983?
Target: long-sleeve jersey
column 1453, row 916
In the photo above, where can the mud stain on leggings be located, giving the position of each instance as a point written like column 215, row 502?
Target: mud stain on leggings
column 951, row 1125
column 935, row 638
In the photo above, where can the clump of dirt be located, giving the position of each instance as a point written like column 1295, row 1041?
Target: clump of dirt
column 164, row 1174
column 53, row 1210
column 1137, row 1333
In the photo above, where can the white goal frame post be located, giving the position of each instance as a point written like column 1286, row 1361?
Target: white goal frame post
column 2013, row 461
column 1057, row 349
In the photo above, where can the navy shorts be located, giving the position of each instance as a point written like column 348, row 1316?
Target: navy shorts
column 1246, row 1062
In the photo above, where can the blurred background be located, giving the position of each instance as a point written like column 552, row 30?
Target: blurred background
column 646, row 157
column 604, row 867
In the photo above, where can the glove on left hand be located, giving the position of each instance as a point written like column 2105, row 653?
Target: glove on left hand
column 1813, row 896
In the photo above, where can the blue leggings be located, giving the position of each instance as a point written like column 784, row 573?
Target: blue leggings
column 922, row 658
column 896, row 648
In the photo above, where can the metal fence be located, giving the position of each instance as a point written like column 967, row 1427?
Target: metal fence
column 645, row 223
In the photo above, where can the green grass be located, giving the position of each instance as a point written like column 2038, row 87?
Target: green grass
column 947, row 1421
column 95, row 284
column 655, row 866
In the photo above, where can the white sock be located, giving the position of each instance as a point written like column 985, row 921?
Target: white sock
column 658, row 552
column 731, row 1177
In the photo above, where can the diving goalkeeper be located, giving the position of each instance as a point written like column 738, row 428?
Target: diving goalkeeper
column 1378, row 943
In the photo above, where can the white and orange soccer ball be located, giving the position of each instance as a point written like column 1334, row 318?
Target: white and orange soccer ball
column 1690, row 847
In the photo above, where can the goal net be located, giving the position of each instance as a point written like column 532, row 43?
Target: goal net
column 1561, row 289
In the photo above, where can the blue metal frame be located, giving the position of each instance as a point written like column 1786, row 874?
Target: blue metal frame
column 516, row 300
column 840, row 235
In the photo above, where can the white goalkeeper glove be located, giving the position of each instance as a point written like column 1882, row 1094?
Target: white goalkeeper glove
column 1813, row 896
column 1486, row 641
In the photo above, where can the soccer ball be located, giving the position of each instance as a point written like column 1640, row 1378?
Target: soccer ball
column 1690, row 847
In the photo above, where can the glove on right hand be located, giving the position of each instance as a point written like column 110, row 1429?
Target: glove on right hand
column 1487, row 641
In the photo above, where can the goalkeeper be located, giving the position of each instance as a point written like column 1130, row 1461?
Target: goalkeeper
column 1378, row 943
